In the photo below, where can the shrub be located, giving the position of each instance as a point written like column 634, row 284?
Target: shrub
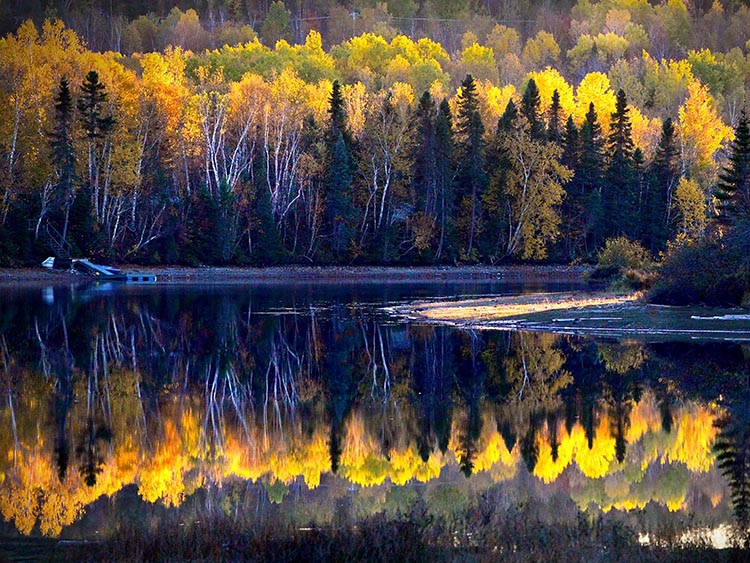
column 624, row 265
column 698, row 272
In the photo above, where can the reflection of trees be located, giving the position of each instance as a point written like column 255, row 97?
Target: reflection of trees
column 176, row 391
column 733, row 452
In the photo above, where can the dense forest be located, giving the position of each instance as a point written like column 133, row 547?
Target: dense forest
column 247, row 132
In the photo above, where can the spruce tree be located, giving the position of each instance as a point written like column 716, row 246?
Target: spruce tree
column 734, row 180
column 96, row 126
column 590, row 180
column 663, row 174
column 472, row 178
column 530, row 109
column 620, row 198
column 423, row 156
column 554, row 117
column 573, row 210
column 444, row 177
column 339, row 205
column 63, row 155
column 498, row 166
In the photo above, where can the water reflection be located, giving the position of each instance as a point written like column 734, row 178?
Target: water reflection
column 177, row 391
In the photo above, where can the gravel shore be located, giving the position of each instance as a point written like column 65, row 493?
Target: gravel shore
column 327, row 274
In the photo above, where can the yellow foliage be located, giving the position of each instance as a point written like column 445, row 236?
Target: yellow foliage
column 701, row 127
column 594, row 462
column 549, row 80
column 595, row 87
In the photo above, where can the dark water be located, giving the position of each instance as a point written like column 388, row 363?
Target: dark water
column 136, row 402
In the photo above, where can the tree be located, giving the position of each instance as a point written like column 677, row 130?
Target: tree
column 472, row 178
column 445, row 169
column 276, row 25
column 96, row 128
column 533, row 192
column 554, row 117
column 663, row 177
column 733, row 189
column 590, row 179
column 63, row 155
column 530, row 109
column 619, row 196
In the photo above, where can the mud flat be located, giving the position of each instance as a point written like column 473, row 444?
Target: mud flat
column 596, row 314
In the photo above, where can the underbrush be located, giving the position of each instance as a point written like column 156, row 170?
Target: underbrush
column 624, row 265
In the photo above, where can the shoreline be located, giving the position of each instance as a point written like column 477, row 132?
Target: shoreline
column 323, row 274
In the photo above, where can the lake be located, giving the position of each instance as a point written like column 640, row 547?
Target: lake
column 309, row 402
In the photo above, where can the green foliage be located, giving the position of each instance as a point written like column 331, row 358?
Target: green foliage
column 624, row 264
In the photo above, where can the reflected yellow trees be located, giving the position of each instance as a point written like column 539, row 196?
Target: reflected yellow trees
column 173, row 457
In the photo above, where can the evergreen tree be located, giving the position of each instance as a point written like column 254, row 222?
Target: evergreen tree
column 338, row 201
column 573, row 210
column 63, row 155
column 96, row 126
column 590, row 174
column 444, row 176
column 663, row 176
column 424, row 168
column 472, row 178
column 499, row 165
column 554, row 117
column 733, row 190
column 620, row 197
column 509, row 119
column 531, row 103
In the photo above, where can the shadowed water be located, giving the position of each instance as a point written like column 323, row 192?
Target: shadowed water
column 130, row 403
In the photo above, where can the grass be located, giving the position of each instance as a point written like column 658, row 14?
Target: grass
column 603, row 314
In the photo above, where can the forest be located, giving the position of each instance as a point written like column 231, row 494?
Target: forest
column 247, row 132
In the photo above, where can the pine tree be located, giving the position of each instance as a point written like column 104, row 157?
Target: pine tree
column 339, row 205
column 499, row 166
column 63, row 153
column 554, row 117
column 96, row 127
column 530, row 109
column 425, row 165
column 734, row 180
column 573, row 210
column 663, row 177
column 620, row 198
column 472, row 178
column 444, row 176
column 590, row 174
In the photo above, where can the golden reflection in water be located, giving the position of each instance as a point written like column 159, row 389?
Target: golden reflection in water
column 188, row 442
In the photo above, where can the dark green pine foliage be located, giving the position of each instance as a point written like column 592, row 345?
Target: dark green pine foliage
column 423, row 174
column 498, row 165
column 471, row 177
column 554, row 119
column 734, row 180
column 573, row 210
column 427, row 196
column 590, row 180
column 63, row 158
column 89, row 105
column 445, row 171
column 96, row 126
column 662, row 177
column 530, row 108
column 620, row 195
column 733, row 458
column 340, row 213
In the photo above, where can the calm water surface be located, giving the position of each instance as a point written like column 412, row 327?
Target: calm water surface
column 137, row 402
